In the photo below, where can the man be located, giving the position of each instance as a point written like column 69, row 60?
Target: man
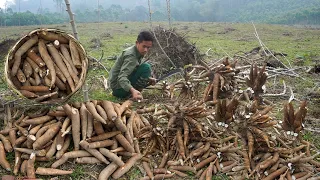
column 129, row 76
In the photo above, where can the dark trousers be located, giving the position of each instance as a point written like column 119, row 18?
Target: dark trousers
column 139, row 79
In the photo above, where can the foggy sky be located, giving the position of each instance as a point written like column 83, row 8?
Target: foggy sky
column 34, row 5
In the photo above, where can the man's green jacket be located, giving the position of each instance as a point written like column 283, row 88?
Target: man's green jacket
column 126, row 63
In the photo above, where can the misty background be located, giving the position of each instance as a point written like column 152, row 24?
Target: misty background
column 35, row 12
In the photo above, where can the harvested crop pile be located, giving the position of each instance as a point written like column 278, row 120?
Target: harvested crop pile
column 46, row 65
column 169, row 51
column 99, row 131
column 231, row 132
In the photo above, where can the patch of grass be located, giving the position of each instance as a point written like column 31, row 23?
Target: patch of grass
column 134, row 174
column 312, row 138
column 10, row 157
column 78, row 173
column 220, row 177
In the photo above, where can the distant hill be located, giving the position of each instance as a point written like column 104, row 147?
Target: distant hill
column 258, row 11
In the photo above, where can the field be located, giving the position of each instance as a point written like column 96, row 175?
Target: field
column 103, row 40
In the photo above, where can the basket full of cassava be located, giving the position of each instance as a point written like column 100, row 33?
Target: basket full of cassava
column 47, row 66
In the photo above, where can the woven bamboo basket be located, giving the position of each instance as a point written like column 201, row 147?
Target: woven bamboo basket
column 52, row 93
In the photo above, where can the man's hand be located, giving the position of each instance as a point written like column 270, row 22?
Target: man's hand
column 152, row 81
column 136, row 95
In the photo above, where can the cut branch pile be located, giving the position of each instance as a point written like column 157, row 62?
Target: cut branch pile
column 46, row 65
column 169, row 51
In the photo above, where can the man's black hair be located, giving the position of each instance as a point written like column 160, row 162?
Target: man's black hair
column 144, row 36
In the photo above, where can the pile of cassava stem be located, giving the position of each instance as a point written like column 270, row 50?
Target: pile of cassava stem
column 227, row 129
column 46, row 66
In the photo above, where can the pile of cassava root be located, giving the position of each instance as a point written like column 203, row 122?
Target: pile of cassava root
column 99, row 131
column 46, row 65
column 229, row 129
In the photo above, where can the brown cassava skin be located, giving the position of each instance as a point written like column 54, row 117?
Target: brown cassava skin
column 66, row 55
column 88, row 160
column 84, row 144
column 6, row 143
column 125, row 143
column 23, row 167
column 21, row 76
column 30, row 168
column 65, row 124
column 37, row 78
column 60, row 141
column 75, row 122
column 28, row 94
column 92, row 109
column 20, row 140
column 27, row 69
column 124, row 106
column 47, row 136
column 59, row 73
column 276, row 173
column 136, row 145
column 98, row 128
column 74, row 115
column 52, row 150
column 265, row 164
column 120, row 125
column 38, row 120
column 183, row 168
column 41, row 131
column 107, row 171
column 205, row 162
column 70, row 155
column 209, row 172
column 60, row 84
column 64, row 148
column 17, row 56
column 59, row 62
column 113, row 157
column 3, row 161
column 108, row 107
column 51, row 36
column 126, row 167
column 164, row 160
column 102, row 112
column 40, row 153
column 17, row 162
column 47, row 60
column 12, row 136
column 34, row 60
column 84, row 120
column 90, row 125
column 73, row 72
column 52, row 171
column 32, row 81
column 101, row 144
column 228, row 168
column 57, row 113
column 147, row 169
column 35, row 88
column 104, row 136
column 130, row 128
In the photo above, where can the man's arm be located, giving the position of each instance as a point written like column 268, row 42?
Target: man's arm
column 129, row 64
